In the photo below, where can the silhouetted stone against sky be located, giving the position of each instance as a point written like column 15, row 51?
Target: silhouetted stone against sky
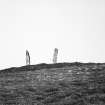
column 27, row 58
column 55, row 55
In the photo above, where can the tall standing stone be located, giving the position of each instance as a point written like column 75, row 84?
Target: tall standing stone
column 27, row 58
column 55, row 55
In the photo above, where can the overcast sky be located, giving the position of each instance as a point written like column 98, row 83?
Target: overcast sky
column 75, row 27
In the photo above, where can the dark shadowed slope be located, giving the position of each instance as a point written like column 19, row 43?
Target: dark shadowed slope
column 53, row 84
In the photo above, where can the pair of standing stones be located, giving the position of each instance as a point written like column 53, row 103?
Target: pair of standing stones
column 54, row 56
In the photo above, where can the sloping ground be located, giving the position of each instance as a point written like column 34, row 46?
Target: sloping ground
column 53, row 84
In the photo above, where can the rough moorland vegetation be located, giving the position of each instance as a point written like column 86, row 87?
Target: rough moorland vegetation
column 53, row 84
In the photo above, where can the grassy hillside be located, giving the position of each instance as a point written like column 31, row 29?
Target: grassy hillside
column 53, row 84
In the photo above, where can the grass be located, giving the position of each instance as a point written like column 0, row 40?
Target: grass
column 43, row 84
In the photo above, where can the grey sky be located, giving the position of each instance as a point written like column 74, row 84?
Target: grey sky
column 75, row 27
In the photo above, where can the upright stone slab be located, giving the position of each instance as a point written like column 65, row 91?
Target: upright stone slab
column 27, row 58
column 55, row 55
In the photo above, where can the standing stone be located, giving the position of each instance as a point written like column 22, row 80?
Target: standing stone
column 27, row 58
column 55, row 55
